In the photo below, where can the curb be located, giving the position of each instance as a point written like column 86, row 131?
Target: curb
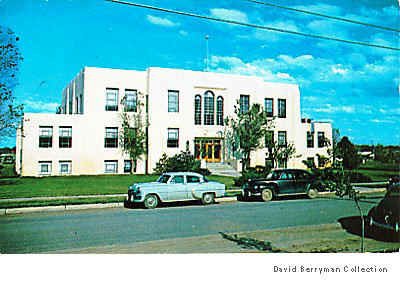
column 24, row 210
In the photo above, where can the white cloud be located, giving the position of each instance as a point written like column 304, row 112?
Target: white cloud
column 229, row 14
column 338, row 69
column 375, row 120
column 183, row 33
column 328, row 108
column 40, row 106
column 161, row 21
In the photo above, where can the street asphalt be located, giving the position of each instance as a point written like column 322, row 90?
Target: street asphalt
column 56, row 231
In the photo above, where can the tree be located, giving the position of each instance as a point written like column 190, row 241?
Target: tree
column 348, row 153
column 279, row 154
column 133, row 136
column 246, row 131
column 10, row 57
column 335, row 141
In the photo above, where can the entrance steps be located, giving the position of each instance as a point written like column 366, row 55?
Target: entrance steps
column 222, row 169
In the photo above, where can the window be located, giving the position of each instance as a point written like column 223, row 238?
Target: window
column 192, row 179
column 269, row 107
column 110, row 166
column 208, row 108
column 127, row 166
column 45, row 136
column 45, row 167
column 173, row 101
column 173, row 138
column 178, row 179
column 197, row 110
column 321, row 139
column 81, row 104
column 244, row 103
column 65, row 138
column 130, row 100
column 281, row 108
column 310, row 139
column 111, row 99
column 220, row 111
column 282, row 138
column 269, row 139
column 65, row 167
column 111, row 137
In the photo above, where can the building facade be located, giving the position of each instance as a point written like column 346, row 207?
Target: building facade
column 182, row 110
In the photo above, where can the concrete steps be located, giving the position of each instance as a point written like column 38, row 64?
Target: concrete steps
column 222, row 169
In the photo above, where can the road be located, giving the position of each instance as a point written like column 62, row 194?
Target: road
column 46, row 232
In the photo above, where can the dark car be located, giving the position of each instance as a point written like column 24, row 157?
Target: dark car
column 281, row 183
column 386, row 215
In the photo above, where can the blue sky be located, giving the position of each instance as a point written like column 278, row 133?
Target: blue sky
column 355, row 87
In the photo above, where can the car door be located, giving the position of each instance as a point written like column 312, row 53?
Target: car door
column 302, row 179
column 177, row 188
column 286, row 183
column 193, row 183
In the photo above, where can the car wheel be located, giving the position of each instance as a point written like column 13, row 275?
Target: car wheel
column 267, row 194
column 312, row 193
column 208, row 198
column 151, row 201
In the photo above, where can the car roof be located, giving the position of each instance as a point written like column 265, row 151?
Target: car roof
column 182, row 173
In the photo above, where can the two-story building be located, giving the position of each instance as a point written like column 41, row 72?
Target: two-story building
column 183, row 110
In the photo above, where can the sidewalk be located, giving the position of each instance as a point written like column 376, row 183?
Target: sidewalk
column 314, row 238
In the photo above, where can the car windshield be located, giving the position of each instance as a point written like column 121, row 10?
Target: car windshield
column 163, row 178
column 274, row 175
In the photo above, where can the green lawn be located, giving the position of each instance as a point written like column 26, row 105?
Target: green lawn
column 78, row 185
column 378, row 175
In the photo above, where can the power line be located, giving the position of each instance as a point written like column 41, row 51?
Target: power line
column 182, row 13
column 323, row 15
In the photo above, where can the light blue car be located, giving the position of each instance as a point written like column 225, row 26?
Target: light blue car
column 175, row 186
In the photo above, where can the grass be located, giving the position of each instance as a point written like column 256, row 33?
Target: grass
column 36, row 203
column 378, row 175
column 78, row 185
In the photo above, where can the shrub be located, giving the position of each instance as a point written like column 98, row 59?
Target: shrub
column 182, row 162
column 358, row 177
column 251, row 173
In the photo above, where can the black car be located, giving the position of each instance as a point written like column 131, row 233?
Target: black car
column 281, row 183
column 386, row 215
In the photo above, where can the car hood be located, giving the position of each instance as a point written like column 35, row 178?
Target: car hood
column 144, row 185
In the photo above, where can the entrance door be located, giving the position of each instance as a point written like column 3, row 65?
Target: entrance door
column 210, row 150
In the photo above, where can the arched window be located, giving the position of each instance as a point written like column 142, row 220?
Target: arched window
column 208, row 108
column 197, row 110
column 220, row 111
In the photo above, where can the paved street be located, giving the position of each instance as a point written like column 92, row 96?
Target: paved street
column 46, row 232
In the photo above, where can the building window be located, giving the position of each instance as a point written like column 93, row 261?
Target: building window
column 220, row 111
column 111, row 137
column 111, row 99
column 321, row 139
column 281, row 108
column 173, row 101
column 45, row 136
column 282, row 141
column 173, row 138
column 269, row 107
column 269, row 139
column 244, row 103
column 65, row 167
column 197, row 110
column 45, row 167
column 208, row 108
column 110, row 166
column 130, row 100
column 65, row 138
column 81, row 104
column 310, row 139
column 127, row 166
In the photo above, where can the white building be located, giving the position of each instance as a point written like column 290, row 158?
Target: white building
column 184, row 109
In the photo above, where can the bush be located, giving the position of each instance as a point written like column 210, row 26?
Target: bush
column 251, row 173
column 358, row 177
column 182, row 162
